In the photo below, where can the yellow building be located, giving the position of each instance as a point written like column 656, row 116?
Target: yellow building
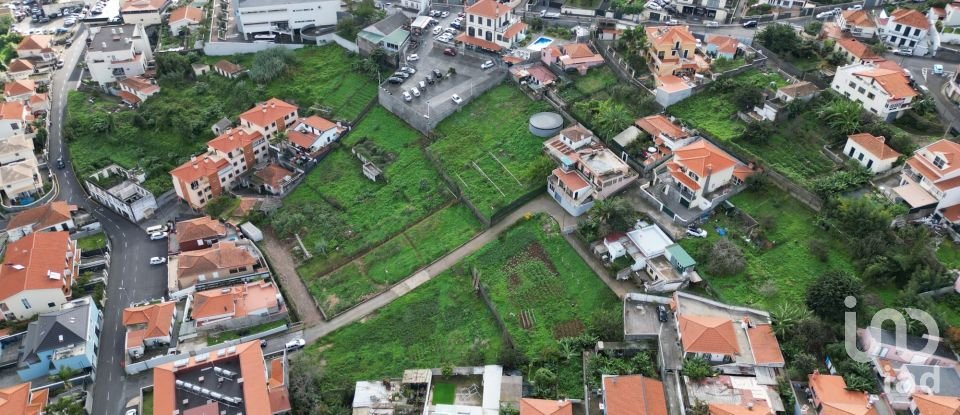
column 670, row 51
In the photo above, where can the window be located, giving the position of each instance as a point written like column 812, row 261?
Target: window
column 860, row 157
column 916, row 32
column 199, row 194
column 852, row 85
column 14, row 126
column 861, row 90
column 913, row 43
column 26, row 304
column 471, row 18
column 939, row 162
column 870, row 95
column 51, row 305
column 898, row 27
column 852, row 150
column 869, row 163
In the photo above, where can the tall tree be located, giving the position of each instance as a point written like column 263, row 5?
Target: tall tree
column 827, row 294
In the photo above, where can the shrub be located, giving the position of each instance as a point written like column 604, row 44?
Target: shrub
column 725, row 258
column 826, row 295
column 697, row 368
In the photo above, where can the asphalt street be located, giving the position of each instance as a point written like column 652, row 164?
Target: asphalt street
column 131, row 278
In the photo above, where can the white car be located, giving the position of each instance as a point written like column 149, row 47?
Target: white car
column 157, row 228
column 423, row 85
column 713, row 24
column 456, row 98
column 437, row 30
column 444, row 14
column 487, row 65
column 295, row 344
column 653, row 6
column 157, row 260
column 408, row 70
column 413, row 58
column 938, row 69
column 855, row 7
column 407, row 97
column 131, row 411
column 156, row 236
column 415, row 91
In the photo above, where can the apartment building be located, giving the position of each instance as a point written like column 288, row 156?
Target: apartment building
column 671, row 51
column 270, row 117
column 143, row 12
column 907, row 28
column 122, row 191
column 37, row 274
column 241, row 148
column 117, row 52
column 285, row 16
column 492, row 25
column 884, row 91
column 202, row 179
column 930, row 180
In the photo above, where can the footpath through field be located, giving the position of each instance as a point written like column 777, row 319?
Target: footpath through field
column 542, row 204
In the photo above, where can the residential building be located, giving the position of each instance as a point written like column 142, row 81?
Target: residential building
column 117, row 52
column 633, row 395
column 700, row 173
column 38, row 104
column 928, row 404
column 274, row 179
column 736, row 340
column 572, row 57
column 666, row 135
column 148, row 325
column 951, row 15
column 930, row 180
column 15, row 118
column 786, row 4
column 672, row 89
column 659, row 265
column 854, row 51
column 388, row 34
column 588, row 170
column 286, row 16
column 491, row 391
column 200, row 180
column 720, row 46
column 831, row 396
column 199, row 233
column 903, row 381
column 37, row 274
column 65, row 338
column 19, row 91
column 19, row 169
column 775, row 108
column 858, row 23
column 240, row 147
column 871, row 152
column 492, row 25
column 49, row 217
column 314, row 134
column 221, row 126
column 20, row 69
column 671, row 51
column 535, row 76
column 228, row 69
column 803, row 90
column 884, row 92
column 136, row 89
column 143, row 12
column 37, row 48
column 201, row 69
column 122, row 191
column 716, row 10
column 907, row 28
column 751, row 408
column 239, row 377
column 188, row 17
column 953, row 86
column 222, row 263
column 269, row 118
column 885, row 344
column 238, row 306
column 533, row 406
column 19, row 400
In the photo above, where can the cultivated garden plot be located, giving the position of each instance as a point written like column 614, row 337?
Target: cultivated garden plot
column 161, row 135
column 440, row 323
column 487, row 150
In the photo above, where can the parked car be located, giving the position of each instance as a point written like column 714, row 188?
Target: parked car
column 437, row 30
column 156, row 236
column 712, row 23
column 295, row 344
column 487, row 65
column 401, row 74
column 456, row 98
column 456, row 25
column 437, row 73
column 451, row 31
column 662, row 313
column 461, row 15
column 824, row 15
column 423, row 85
column 855, row 7
column 450, row 52
column 697, row 232
column 395, row 80
column 749, row 24
column 408, row 70
column 429, row 80
column 444, row 14
column 407, row 97
column 131, row 411
column 415, row 91
column 157, row 228
column 904, row 52
column 653, row 6
column 673, row 22
column 157, row 260
column 938, row 69
column 413, row 57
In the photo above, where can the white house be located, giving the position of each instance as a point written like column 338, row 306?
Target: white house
column 14, row 118
column 117, row 52
column 884, row 91
column 182, row 17
column 907, row 28
column 143, row 12
column 50, row 217
column 148, row 326
column 698, row 170
column 37, row 47
column 37, row 273
column 952, row 17
column 283, row 16
column 122, row 191
column 859, row 23
column 418, row 5
column 492, row 25
column 871, row 152
column 270, row 117
column 314, row 133
column 930, row 180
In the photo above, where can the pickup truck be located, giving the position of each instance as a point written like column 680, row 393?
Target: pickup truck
column 549, row 15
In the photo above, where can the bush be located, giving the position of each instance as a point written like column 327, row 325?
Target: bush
column 697, row 368
column 269, row 64
column 725, row 258
column 827, row 294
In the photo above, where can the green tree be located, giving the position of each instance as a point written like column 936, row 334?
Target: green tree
column 860, row 216
column 878, row 48
column 65, row 374
column 6, row 22
column 607, row 324
column 779, row 38
column 269, row 64
column 758, row 132
column 813, row 28
column 218, row 207
column 544, row 382
column 841, row 115
column 787, row 316
column 826, row 295
column 65, row 406
column 633, row 40
column 697, row 368
column 611, row 118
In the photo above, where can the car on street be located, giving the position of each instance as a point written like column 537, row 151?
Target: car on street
column 131, row 411
column 395, row 80
column 444, row 14
column 673, row 22
column 712, row 24
column 157, row 260
column 662, row 313
column 295, row 344
column 855, row 7
column 157, row 228
column 401, row 74
column 60, row 164
column 407, row 97
column 437, row 30
column 904, row 52
column 487, row 65
column 749, row 24
column 650, row 5
column 938, row 69
column 450, row 52
column 408, row 70
column 60, row 64
column 456, row 98
column 413, row 58
column 461, row 15
column 824, row 15
column 437, row 73
column 156, row 236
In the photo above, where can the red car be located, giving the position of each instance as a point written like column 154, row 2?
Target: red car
column 450, row 52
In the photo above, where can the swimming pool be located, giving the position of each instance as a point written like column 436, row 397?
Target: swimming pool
column 540, row 43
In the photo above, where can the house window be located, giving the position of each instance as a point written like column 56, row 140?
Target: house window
column 897, row 27
column 471, row 18
column 15, row 126
column 916, row 32
column 51, row 305
column 913, row 43
column 852, row 150
column 870, row 95
column 26, row 304
column 939, row 162
column 861, row 90
column 869, row 163
column 860, row 157
column 852, row 85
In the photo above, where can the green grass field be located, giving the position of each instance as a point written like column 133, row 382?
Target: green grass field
column 781, row 273
column 440, row 323
column 490, row 131
column 444, row 393
column 92, row 242
column 161, row 134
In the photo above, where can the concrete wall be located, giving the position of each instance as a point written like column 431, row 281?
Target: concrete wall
column 333, row 37
column 233, row 48
column 138, row 367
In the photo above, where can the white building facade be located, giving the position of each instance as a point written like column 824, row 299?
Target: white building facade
column 286, row 16
column 884, row 92
column 117, row 52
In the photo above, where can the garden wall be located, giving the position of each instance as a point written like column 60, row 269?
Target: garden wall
column 233, row 48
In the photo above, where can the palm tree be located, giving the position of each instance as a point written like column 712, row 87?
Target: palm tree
column 65, row 374
column 786, row 316
column 842, row 115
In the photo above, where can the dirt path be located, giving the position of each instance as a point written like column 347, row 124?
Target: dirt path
column 285, row 268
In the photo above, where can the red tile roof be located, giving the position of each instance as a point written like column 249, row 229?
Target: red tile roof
column 532, row 406
column 265, row 113
column 634, row 395
column 764, row 345
column 129, row 98
column 542, row 74
column 141, row 5
column 273, row 174
column 951, row 213
column 201, row 167
column 936, row 405
column 488, row 8
column 228, row 67
column 203, row 227
column 190, row 14
column 910, row 17
column 514, row 29
column 570, row 179
column 758, row 408
column 222, row 257
column 18, row 400
column 860, row 18
column 856, row 48
column 578, row 50
column 19, row 65
column 16, row 88
column 43, row 216
column 725, row 44
column 140, row 84
column 894, row 82
column 703, row 157
column 35, row 42
column 154, row 318
column 33, row 262
column 480, row 43
column 659, row 124
column 319, row 123
column 832, row 393
column 238, row 301
column 303, row 140
column 669, row 35
column 234, row 139
column 874, row 145
column 11, row 111
column 708, row 334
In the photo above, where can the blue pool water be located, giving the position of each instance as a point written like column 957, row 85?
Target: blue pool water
column 540, row 43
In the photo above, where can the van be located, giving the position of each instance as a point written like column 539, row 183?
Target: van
column 157, row 228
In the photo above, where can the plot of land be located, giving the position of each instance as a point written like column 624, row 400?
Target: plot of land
column 488, row 151
column 161, row 134
column 444, row 393
column 777, row 273
column 440, row 323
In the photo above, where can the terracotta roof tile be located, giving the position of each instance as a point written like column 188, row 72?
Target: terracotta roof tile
column 571, row 180
column 859, row 18
column 228, row 67
column 19, row 65
column 12, row 111
column 129, row 97
column 200, row 228
column 17, row 400
column 33, row 262
column 707, row 334
column 265, row 113
column 669, row 35
column 895, row 83
column 273, row 174
column 532, row 406
column 514, row 29
column 319, row 123
column 836, row 399
column 148, row 321
column 480, row 43
column 222, row 257
column 702, row 156
column 16, row 88
column 910, row 17
column 764, row 345
column 874, row 145
column 234, row 139
column 201, row 167
column 578, row 50
column 140, row 84
column 856, row 48
column 43, row 216
column 725, row 44
column 655, row 125
column 936, row 405
column 633, row 395
column 35, row 42
column 190, row 14
column 488, row 8
column 238, row 301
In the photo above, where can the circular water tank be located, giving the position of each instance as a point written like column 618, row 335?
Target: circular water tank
column 546, row 124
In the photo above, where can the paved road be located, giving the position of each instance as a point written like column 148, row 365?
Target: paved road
column 131, row 279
